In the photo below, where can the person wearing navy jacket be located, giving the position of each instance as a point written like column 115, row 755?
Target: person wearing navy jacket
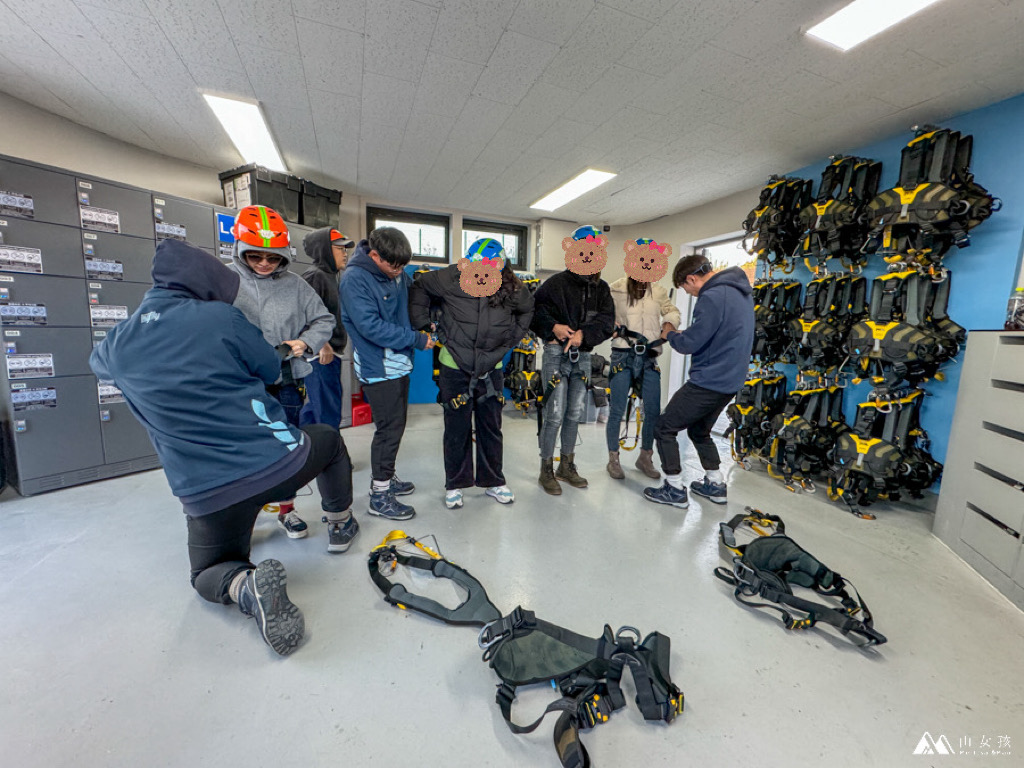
column 194, row 372
column 718, row 341
column 374, row 293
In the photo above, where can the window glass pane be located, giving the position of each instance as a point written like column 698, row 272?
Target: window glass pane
column 427, row 240
column 731, row 254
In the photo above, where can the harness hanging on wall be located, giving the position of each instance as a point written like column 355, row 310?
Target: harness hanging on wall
column 525, row 650
column 805, row 433
column 751, row 413
column 765, row 569
column 772, row 229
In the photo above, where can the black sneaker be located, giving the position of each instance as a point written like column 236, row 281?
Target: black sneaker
column 401, row 487
column 384, row 504
column 292, row 524
column 264, row 597
column 340, row 535
column 713, row 492
column 667, row 494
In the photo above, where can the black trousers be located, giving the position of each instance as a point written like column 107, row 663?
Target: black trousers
column 219, row 544
column 696, row 410
column 458, row 432
column 389, row 401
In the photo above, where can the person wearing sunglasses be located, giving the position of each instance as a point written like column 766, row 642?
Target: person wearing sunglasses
column 718, row 340
column 288, row 312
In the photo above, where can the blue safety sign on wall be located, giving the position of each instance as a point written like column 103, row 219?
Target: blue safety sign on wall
column 224, row 223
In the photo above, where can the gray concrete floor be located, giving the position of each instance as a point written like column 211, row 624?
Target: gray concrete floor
column 111, row 660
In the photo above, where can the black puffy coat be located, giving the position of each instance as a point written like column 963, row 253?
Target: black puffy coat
column 475, row 333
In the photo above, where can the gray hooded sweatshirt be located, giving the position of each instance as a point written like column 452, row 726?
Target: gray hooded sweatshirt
column 283, row 306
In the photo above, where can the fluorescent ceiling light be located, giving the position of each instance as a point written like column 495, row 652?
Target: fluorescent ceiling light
column 863, row 19
column 243, row 121
column 573, row 188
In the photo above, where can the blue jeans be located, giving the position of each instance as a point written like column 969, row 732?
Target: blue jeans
column 323, row 388
column 563, row 408
column 634, row 366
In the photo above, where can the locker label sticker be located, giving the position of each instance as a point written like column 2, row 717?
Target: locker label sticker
column 227, row 251
column 229, row 194
column 15, row 313
column 29, row 366
column 15, row 258
column 85, row 185
column 106, row 316
column 12, row 334
column 17, row 204
column 108, row 394
column 100, row 219
column 34, row 398
column 103, row 269
column 166, row 231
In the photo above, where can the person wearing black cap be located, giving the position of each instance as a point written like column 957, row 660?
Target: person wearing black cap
column 328, row 248
column 718, row 341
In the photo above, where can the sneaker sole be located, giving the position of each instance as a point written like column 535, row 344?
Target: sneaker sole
column 336, row 548
column 453, row 505
column 712, row 499
column 676, row 504
column 280, row 621
column 499, row 499
column 391, row 517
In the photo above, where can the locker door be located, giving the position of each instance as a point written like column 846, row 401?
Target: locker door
column 34, row 247
column 117, row 257
column 300, row 261
column 109, row 208
column 66, row 349
column 124, row 438
column 54, row 426
column 34, row 301
column 125, row 297
column 27, row 191
column 184, row 220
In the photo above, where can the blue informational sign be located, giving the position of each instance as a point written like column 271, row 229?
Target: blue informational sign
column 224, row 223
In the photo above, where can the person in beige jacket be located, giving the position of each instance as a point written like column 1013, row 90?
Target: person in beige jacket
column 644, row 308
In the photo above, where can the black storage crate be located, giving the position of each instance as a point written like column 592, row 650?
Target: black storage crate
column 319, row 206
column 255, row 185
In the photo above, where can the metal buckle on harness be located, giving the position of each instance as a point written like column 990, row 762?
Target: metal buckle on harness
column 640, row 349
column 506, row 625
column 574, row 354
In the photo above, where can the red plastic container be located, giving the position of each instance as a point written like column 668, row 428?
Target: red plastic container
column 361, row 414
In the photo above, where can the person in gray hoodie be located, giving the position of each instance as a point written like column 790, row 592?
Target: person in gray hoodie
column 286, row 310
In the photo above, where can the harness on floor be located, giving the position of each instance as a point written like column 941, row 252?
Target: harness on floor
column 935, row 202
column 832, row 304
column 525, row 650
column 766, row 568
column 759, row 400
column 834, row 224
column 773, row 227
column 885, row 454
column 643, row 348
column 805, row 433
column 776, row 303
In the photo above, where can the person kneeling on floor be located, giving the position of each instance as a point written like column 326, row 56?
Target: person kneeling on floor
column 194, row 372
column 719, row 341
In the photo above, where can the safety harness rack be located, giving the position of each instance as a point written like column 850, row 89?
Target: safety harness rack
column 833, row 303
column 764, row 571
column 773, row 228
column 761, row 398
column 776, row 303
column 525, row 650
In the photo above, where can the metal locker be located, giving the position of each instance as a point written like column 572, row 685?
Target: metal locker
column 223, row 219
column 107, row 207
column 35, row 247
column 117, row 257
column 45, row 352
column 54, row 427
column 175, row 217
column 300, row 261
column 33, row 301
column 30, row 192
column 112, row 302
column 124, row 437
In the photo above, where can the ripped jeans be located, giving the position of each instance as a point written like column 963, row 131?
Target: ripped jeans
column 563, row 408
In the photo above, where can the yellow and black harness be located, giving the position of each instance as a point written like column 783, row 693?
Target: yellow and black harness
column 805, row 433
column 773, row 227
column 759, row 400
column 525, row 650
column 764, row 571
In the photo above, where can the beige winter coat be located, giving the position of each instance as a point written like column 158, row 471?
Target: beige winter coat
column 645, row 316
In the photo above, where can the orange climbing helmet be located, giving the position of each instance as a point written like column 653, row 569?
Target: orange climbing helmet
column 258, row 228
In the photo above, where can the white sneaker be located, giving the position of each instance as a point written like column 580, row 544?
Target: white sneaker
column 501, row 494
column 453, row 499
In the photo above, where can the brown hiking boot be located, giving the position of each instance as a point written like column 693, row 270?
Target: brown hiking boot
column 567, row 471
column 547, row 478
column 646, row 464
column 614, row 468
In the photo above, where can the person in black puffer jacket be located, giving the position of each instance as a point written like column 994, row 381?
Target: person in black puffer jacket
column 328, row 248
column 477, row 331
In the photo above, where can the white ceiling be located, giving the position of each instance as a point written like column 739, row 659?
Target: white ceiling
column 487, row 105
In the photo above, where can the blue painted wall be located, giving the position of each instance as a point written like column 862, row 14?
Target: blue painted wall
column 985, row 273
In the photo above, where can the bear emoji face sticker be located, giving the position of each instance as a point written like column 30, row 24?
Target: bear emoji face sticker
column 480, row 269
column 586, row 251
column 646, row 261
